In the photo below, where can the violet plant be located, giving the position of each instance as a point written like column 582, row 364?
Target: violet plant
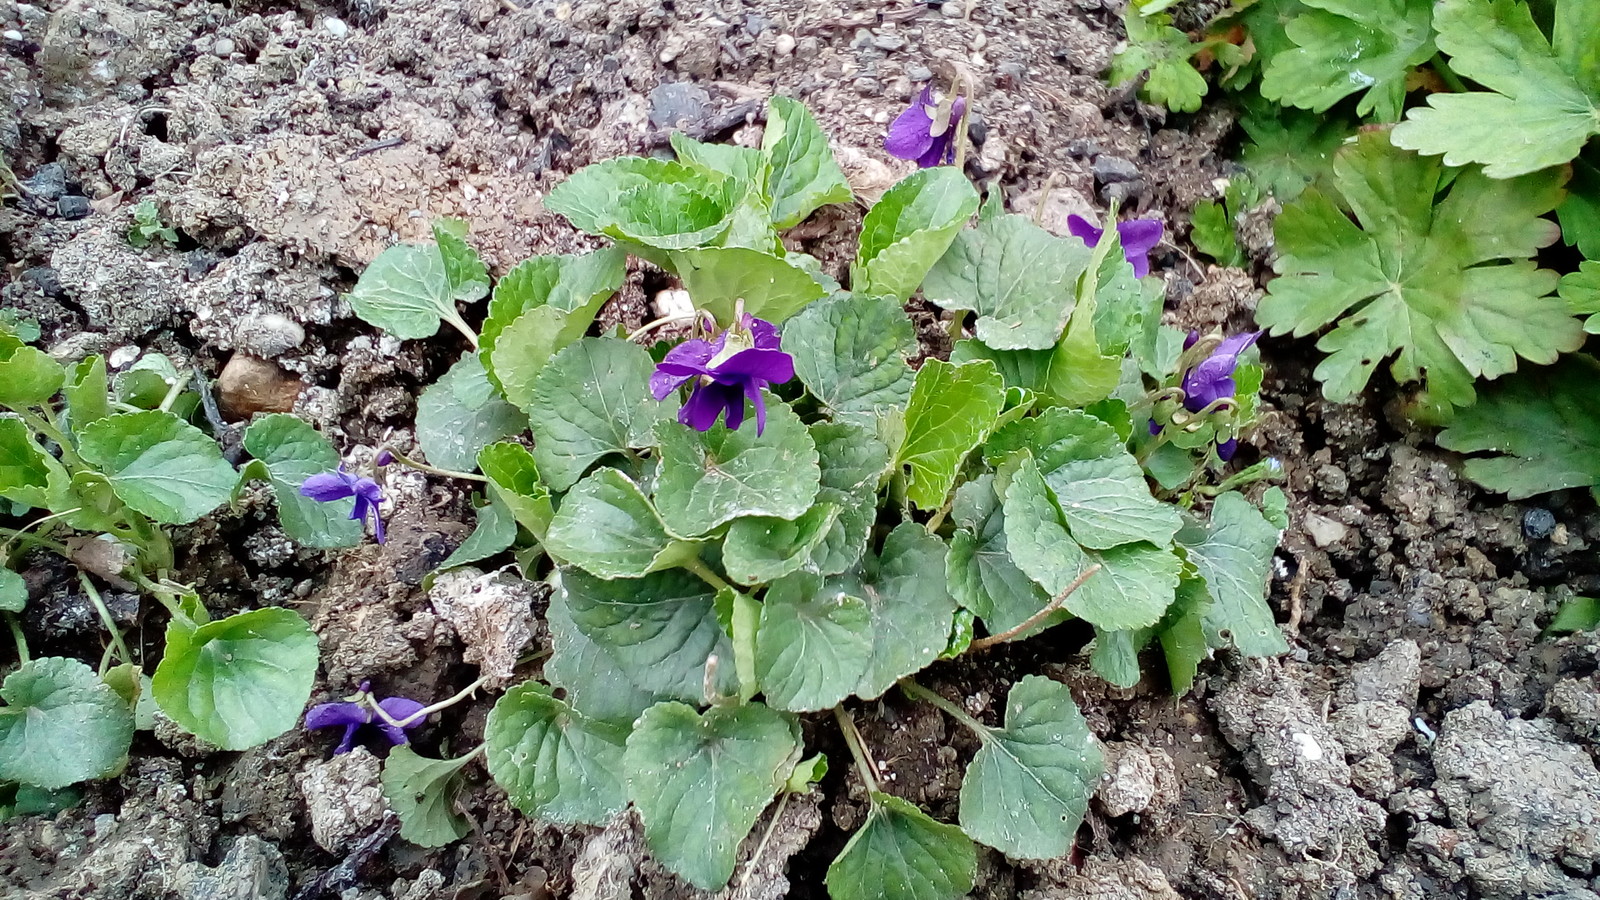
column 732, row 549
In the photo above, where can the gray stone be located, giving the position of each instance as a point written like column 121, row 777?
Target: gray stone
column 72, row 206
column 676, row 105
column 47, row 183
column 889, row 42
column 1110, row 169
column 252, row 870
column 919, row 73
column 343, row 798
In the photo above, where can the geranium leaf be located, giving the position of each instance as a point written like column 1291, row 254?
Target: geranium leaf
column 700, row 781
column 802, row 174
column 1027, row 790
column 1448, row 289
column 595, row 684
column 1581, row 291
column 659, row 629
column 1289, row 149
column 910, row 604
column 61, row 724
column 460, row 414
column 554, row 762
column 1234, row 555
column 907, row 231
column 607, row 527
column 1135, row 583
column 514, row 479
column 770, row 287
column 159, row 464
column 1552, row 107
column 709, row 478
column 1344, row 46
column 240, row 681
column 1156, row 47
column 293, row 451
column 1016, row 276
column 951, row 411
column 406, row 291
column 813, row 644
column 850, row 352
column 1539, row 431
column 422, row 793
column 903, row 854
column 590, row 400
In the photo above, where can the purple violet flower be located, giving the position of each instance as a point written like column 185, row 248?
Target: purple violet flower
column 1212, row 379
column 913, row 134
column 326, row 487
column 738, row 364
column 353, row 714
column 1139, row 237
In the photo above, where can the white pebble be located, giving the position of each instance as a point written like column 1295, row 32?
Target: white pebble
column 784, row 45
column 336, row 26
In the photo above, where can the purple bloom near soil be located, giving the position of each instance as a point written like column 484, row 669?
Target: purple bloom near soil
column 1139, row 237
column 911, row 135
column 353, row 716
column 725, row 372
column 327, row 487
column 1212, row 380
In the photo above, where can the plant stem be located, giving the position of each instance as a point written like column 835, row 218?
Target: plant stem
column 698, row 567
column 1054, row 604
column 454, row 318
column 44, row 426
column 918, row 692
column 18, row 532
column 426, row 711
column 33, row 540
column 16, row 635
column 653, row 324
column 858, row 750
column 105, row 616
column 177, row 389
column 431, row 470
column 939, row 517
column 766, row 836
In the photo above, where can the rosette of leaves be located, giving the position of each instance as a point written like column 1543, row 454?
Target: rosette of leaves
column 1342, row 47
column 1163, row 56
column 1423, row 264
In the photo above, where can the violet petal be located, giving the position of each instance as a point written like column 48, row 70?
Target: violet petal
column 327, row 715
column 911, row 133
column 325, row 487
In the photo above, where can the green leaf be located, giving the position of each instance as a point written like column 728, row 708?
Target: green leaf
column 238, row 682
column 495, row 532
column 514, row 480
column 87, row 393
column 813, row 645
column 1423, row 281
column 1027, row 790
column 1234, row 556
column 707, row 479
column 747, row 166
column 554, row 762
column 1212, row 234
column 803, row 174
column 460, row 414
column 1098, row 484
column 659, row 629
column 28, row 376
column 406, row 291
column 1156, row 47
column 1078, row 373
column 761, row 549
column 850, row 352
column 1576, row 614
column 607, row 527
column 589, row 401
column 1540, row 430
column 1135, row 583
column 907, row 231
column 61, row 725
column 1581, row 291
column 422, row 792
column 1116, row 655
column 852, row 461
column 770, row 287
column 951, row 411
column 1344, row 46
column 1016, row 276
column 146, row 382
column 981, row 574
column 293, row 451
column 28, row 475
column 1580, row 212
column 1182, row 634
column 159, row 464
column 660, row 204
column 1289, row 149
column 701, row 781
column 569, row 289
column 463, row 270
column 595, row 684
column 903, row 854
column 911, row 606
column 1549, row 104
column 13, row 591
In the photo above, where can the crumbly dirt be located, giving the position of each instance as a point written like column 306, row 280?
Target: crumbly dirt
column 1419, row 741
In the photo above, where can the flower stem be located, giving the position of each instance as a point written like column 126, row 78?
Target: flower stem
column 16, row 635
column 1054, row 604
column 858, row 750
column 174, row 392
column 431, row 470
column 426, row 711
column 918, row 692
column 105, row 616
column 766, row 836
column 653, row 324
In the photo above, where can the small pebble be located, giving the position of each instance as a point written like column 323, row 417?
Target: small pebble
column 72, row 207
column 784, row 45
column 249, row 385
column 953, row 9
column 336, row 26
column 889, row 42
column 47, row 184
column 919, row 73
column 223, row 47
column 1110, row 169
column 1538, row 523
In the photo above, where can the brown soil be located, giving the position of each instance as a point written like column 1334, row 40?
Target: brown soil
column 1419, row 741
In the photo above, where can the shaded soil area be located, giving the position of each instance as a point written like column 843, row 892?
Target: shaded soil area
column 1419, row 741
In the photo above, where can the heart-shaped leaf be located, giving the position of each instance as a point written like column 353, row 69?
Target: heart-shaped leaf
column 554, row 762
column 61, row 724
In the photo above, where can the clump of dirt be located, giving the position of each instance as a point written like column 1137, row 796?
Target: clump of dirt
column 1419, row 741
